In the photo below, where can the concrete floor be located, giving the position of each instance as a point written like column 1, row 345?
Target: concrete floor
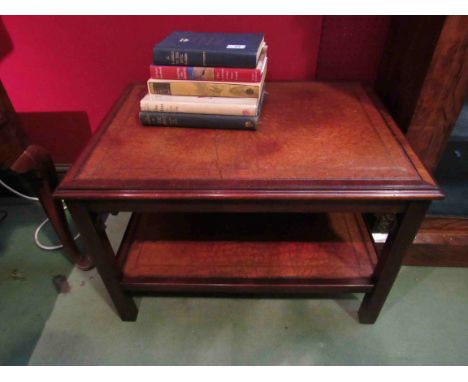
column 424, row 321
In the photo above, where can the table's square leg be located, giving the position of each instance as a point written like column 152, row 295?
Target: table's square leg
column 98, row 244
column 391, row 258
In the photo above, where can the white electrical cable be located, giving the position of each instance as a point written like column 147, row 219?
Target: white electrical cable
column 48, row 247
column 17, row 192
column 38, row 229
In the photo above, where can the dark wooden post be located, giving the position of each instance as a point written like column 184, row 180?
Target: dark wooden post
column 36, row 164
column 423, row 79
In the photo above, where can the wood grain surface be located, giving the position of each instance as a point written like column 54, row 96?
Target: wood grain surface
column 248, row 246
column 443, row 93
column 440, row 242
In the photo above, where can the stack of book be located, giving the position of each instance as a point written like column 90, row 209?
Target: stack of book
column 207, row 80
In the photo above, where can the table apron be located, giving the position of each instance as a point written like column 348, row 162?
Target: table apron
column 293, row 206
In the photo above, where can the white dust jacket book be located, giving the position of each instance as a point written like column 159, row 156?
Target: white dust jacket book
column 199, row 105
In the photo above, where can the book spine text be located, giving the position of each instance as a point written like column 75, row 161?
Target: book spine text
column 230, row 122
column 164, row 56
column 201, row 108
column 203, row 89
column 163, row 72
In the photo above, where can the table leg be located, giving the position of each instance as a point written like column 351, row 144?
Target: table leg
column 98, row 244
column 391, row 258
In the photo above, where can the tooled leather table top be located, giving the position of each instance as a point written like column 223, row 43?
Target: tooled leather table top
column 310, row 135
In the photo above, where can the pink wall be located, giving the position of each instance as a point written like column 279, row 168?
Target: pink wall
column 63, row 73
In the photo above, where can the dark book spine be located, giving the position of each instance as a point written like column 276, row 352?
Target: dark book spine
column 209, row 121
column 165, row 56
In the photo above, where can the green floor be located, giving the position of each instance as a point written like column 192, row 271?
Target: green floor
column 425, row 320
column 27, row 295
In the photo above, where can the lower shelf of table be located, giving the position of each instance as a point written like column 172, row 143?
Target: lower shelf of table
column 247, row 253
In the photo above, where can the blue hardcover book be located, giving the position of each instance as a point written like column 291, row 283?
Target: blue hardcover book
column 230, row 50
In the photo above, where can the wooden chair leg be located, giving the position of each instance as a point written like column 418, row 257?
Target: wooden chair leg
column 37, row 165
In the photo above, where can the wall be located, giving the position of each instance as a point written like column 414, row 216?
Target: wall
column 64, row 72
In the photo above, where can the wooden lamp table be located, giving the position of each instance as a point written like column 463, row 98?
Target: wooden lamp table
column 275, row 211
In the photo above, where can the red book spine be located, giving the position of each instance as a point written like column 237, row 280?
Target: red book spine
column 237, row 74
column 168, row 72
column 160, row 72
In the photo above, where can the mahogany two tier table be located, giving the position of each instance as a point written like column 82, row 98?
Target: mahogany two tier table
column 277, row 211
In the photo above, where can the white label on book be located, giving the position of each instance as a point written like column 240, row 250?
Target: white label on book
column 235, row 46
